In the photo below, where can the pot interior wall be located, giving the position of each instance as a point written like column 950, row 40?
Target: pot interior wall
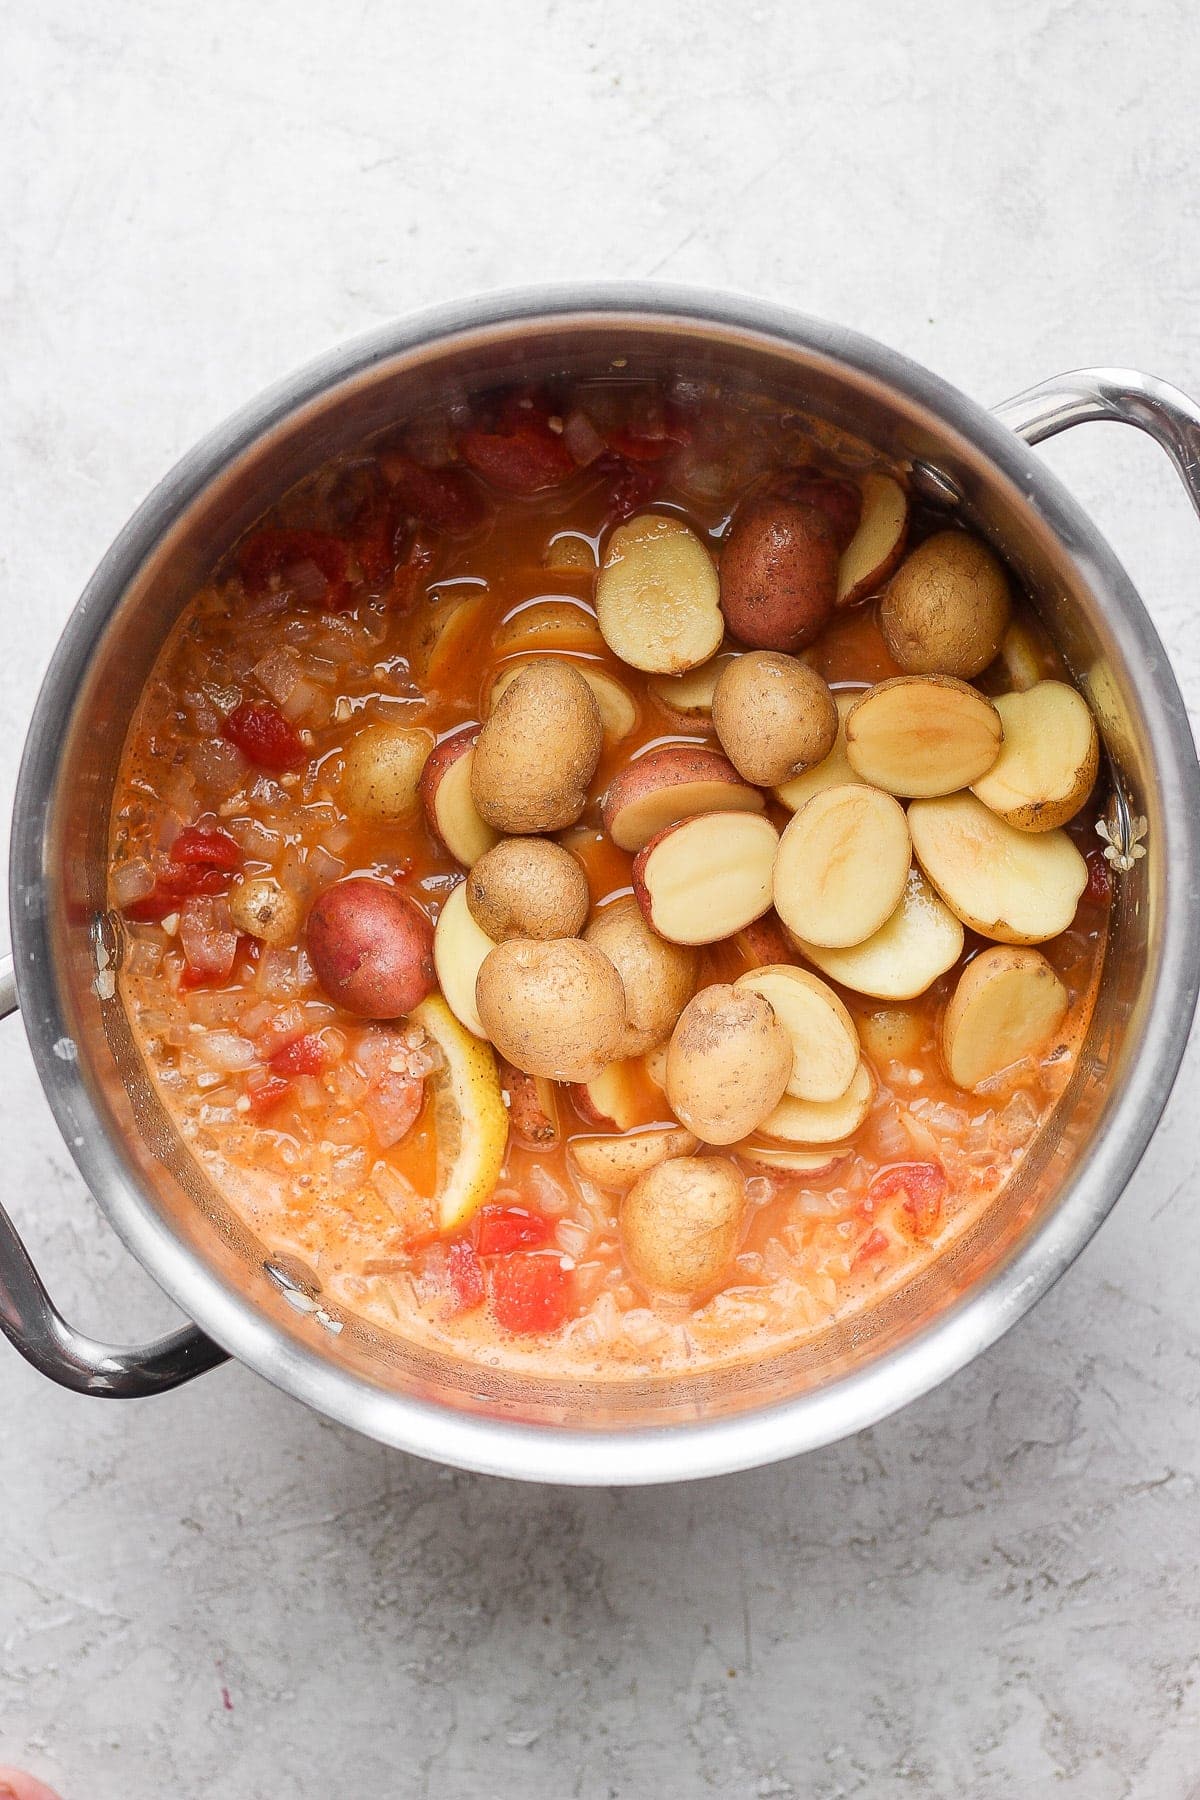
column 203, row 524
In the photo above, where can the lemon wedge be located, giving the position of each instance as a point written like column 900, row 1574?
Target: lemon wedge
column 470, row 1117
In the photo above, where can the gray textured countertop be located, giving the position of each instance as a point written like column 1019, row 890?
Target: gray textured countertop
column 216, row 1594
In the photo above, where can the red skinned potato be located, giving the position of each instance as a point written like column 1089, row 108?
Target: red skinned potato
column 445, row 790
column 779, row 570
column 670, row 784
column 878, row 544
column 371, row 948
column 840, row 501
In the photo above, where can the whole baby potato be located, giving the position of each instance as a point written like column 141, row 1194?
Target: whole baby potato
column 773, row 715
column 658, row 978
column 371, row 948
column 551, row 1006
column 680, row 1224
column 728, row 1063
column 527, row 887
column 537, row 752
column 779, row 569
column 264, row 909
column 947, row 607
column 382, row 771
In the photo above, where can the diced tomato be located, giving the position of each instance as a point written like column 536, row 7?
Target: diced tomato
column 203, row 860
column 273, row 551
column 840, row 501
column 208, row 940
column 629, row 486
column 523, row 458
column 261, row 732
column 463, row 1276
column 266, row 1096
column 377, row 530
column 871, row 1248
column 411, row 571
column 202, row 846
column 302, row 1056
column 922, row 1185
column 393, row 1105
column 173, row 885
column 1098, row 891
column 503, row 1229
column 651, row 445
column 529, row 1292
column 446, row 500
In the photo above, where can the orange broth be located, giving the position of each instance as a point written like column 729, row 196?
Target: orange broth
column 313, row 1172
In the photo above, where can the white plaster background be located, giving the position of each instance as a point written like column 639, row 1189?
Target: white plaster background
column 995, row 1593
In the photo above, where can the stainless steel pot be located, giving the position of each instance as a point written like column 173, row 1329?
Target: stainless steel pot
column 961, row 457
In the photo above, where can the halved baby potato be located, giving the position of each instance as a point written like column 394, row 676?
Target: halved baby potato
column 1049, row 761
column 878, row 544
column 445, row 790
column 707, row 877
column 658, row 596
column 834, row 770
column 459, row 948
column 1021, row 657
column 549, row 625
column 689, row 696
column 1014, row 886
column 618, row 710
column 1007, row 1004
column 785, row 1159
column 617, row 1162
column 825, row 1050
column 676, row 781
column 920, row 941
column 922, row 735
column 822, row 1121
column 842, row 864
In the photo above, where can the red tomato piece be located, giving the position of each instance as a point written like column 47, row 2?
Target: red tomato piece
column 261, row 733
column 523, row 459
column 302, row 1056
column 463, row 1276
column 629, row 486
column 409, row 573
column 871, row 1248
column 202, row 846
column 266, row 1096
column 446, row 500
column 273, row 551
column 923, row 1186
column 172, row 886
column 503, row 1229
column 1098, row 891
column 529, row 1292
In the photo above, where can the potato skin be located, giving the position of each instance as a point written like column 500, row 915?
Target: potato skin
column 779, row 565
column 728, row 1064
column 660, row 771
column 381, row 775
column 528, row 887
column 536, row 754
column 773, row 716
column 680, row 1224
column 658, row 978
column 371, row 948
column 947, row 607
column 263, row 909
column 551, row 1006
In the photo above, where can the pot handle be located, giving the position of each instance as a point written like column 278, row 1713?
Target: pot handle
column 1124, row 395
column 33, row 1325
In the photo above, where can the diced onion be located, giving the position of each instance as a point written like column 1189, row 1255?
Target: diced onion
column 581, row 438
column 278, row 672
column 225, row 1050
column 131, row 881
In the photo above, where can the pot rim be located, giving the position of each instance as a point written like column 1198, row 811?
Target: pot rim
column 689, row 1449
